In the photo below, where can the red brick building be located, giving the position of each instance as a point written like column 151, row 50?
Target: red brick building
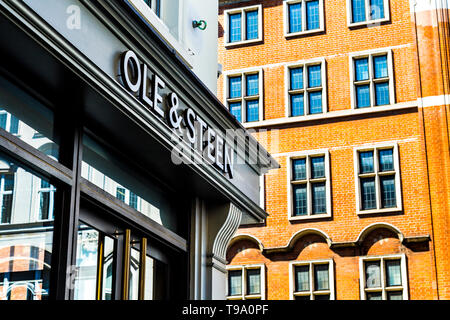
column 352, row 99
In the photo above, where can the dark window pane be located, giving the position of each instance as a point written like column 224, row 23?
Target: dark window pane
column 295, row 17
column 315, row 102
column 297, row 105
column 253, row 281
column 235, row 25
column 319, row 198
column 301, row 278
column 235, row 110
column 252, row 25
column 361, row 69
column 380, row 66
column 376, row 9
column 235, row 282
column 368, row 193
column 362, row 96
column 26, row 247
column 312, row 15
column 314, row 76
column 382, row 94
column 133, row 201
column 317, row 167
column 37, row 126
column 393, row 273
column 321, row 278
column 252, row 84
column 299, row 169
column 358, row 10
column 366, row 164
column 235, row 87
column 374, row 296
column 395, row 295
column 388, row 195
column 252, row 110
column 322, row 297
column 373, row 274
column 386, row 158
column 296, row 78
column 121, row 194
column 300, row 200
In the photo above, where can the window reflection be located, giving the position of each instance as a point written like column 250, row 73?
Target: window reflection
column 102, row 168
column 25, row 238
column 28, row 119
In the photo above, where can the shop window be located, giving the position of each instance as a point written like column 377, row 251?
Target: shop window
column 312, row 280
column 25, row 238
column 27, row 118
column 246, row 282
column 383, row 278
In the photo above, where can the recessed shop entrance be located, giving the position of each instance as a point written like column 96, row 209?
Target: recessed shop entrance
column 116, row 261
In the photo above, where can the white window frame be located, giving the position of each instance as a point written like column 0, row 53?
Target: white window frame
column 383, row 289
column 368, row 21
column 311, row 293
column 243, row 269
column 287, row 80
column 370, row 54
column 243, row 98
column 8, row 123
column 243, row 12
column 3, row 192
column 398, row 189
column 308, row 155
column 288, row 34
column 51, row 190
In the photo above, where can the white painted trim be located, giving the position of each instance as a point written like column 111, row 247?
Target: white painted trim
column 288, row 34
column 262, row 191
column 308, row 154
column 403, row 268
column 368, row 22
column 244, row 269
column 434, row 101
column 311, row 263
column 242, row 11
column 287, row 82
column 330, row 115
column 398, row 188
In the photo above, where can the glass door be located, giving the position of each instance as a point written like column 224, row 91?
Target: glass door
column 116, row 261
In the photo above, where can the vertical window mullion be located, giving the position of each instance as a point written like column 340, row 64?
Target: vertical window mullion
column 306, row 92
column 368, row 10
column 377, row 179
column 371, row 84
column 244, row 282
column 308, row 187
column 303, row 2
column 383, row 279
column 243, row 25
column 311, row 280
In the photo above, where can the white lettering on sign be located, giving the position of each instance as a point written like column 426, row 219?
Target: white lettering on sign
column 135, row 78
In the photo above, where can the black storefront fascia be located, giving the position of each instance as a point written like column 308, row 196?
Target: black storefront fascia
column 87, row 101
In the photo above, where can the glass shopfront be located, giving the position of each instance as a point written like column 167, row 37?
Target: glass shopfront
column 121, row 217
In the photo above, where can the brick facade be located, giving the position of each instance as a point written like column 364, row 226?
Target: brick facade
column 417, row 122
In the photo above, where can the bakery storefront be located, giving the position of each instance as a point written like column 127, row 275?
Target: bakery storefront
column 116, row 177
